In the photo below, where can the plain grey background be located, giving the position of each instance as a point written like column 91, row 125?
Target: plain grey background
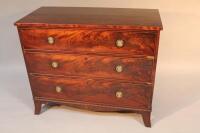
column 176, row 103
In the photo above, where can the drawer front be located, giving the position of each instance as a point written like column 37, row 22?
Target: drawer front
column 135, row 69
column 93, row 91
column 89, row 41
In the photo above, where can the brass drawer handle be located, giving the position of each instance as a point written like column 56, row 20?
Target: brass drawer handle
column 50, row 40
column 54, row 64
column 150, row 57
column 119, row 94
column 58, row 89
column 119, row 43
column 119, row 68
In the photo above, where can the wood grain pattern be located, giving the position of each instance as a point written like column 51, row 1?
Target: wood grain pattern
column 89, row 41
column 87, row 17
column 85, row 49
column 88, row 106
column 134, row 69
column 93, row 91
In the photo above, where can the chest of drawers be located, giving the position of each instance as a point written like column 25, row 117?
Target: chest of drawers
column 101, row 59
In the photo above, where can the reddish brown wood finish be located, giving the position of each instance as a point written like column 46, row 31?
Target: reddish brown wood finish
column 84, row 17
column 38, row 106
column 90, row 41
column 146, row 116
column 134, row 69
column 93, row 91
column 87, row 55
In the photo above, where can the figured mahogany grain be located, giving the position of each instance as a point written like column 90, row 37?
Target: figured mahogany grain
column 134, row 69
column 93, row 91
column 100, row 41
column 87, row 55
column 87, row 17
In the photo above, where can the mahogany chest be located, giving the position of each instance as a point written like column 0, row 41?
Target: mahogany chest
column 102, row 59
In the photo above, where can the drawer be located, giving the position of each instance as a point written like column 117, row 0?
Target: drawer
column 89, row 41
column 135, row 69
column 103, row 92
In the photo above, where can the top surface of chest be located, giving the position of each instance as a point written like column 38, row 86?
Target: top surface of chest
column 76, row 17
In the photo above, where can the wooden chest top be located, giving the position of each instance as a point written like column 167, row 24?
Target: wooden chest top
column 77, row 17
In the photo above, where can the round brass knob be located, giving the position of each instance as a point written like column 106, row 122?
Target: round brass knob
column 119, row 43
column 58, row 89
column 54, row 64
column 50, row 40
column 119, row 68
column 119, row 94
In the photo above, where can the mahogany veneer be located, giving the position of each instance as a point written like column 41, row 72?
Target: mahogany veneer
column 102, row 59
